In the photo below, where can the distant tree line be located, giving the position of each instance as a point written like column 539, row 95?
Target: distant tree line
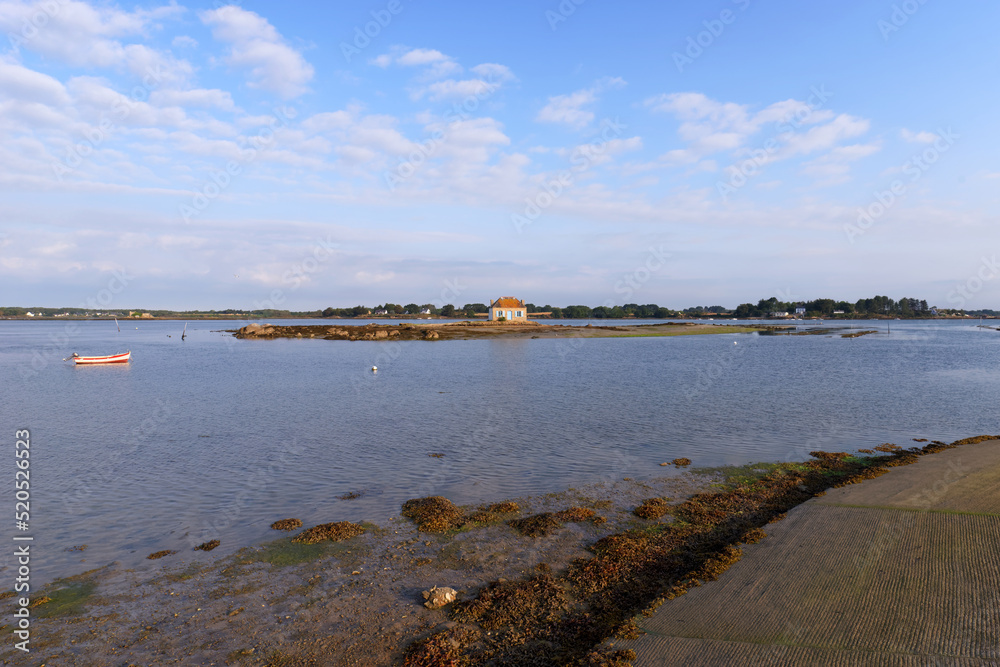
column 877, row 306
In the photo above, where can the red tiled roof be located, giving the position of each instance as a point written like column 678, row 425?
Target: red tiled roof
column 507, row 302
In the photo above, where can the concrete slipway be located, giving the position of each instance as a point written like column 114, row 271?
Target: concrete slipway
column 899, row 570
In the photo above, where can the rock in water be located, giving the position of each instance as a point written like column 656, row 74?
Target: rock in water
column 439, row 597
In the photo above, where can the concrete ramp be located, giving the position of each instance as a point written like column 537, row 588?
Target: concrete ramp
column 899, row 570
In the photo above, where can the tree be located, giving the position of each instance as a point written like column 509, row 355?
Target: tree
column 577, row 312
column 448, row 310
column 329, row 312
column 412, row 309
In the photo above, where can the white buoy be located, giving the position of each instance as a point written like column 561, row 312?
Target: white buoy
column 734, row 342
column 374, row 368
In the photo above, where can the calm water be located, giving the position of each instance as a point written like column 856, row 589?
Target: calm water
column 215, row 437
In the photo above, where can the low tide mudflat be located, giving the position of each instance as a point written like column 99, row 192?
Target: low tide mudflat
column 559, row 578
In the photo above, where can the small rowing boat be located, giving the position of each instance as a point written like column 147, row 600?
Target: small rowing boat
column 122, row 358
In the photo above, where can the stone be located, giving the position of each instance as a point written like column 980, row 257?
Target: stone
column 439, row 597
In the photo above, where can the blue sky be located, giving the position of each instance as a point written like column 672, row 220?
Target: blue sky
column 260, row 154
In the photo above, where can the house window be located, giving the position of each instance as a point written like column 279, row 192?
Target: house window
column 519, row 313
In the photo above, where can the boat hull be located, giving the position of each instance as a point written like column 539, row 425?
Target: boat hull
column 110, row 359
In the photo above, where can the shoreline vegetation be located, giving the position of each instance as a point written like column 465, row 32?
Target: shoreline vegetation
column 549, row 580
column 878, row 307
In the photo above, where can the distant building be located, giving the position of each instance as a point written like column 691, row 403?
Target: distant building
column 778, row 313
column 838, row 312
column 425, row 311
column 508, row 308
column 381, row 311
column 800, row 311
column 30, row 314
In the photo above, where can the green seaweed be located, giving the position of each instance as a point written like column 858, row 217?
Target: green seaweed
column 66, row 598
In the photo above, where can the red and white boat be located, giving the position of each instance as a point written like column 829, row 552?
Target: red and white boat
column 122, row 358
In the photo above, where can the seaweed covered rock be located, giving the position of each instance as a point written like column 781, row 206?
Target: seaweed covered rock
column 488, row 514
column 435, row 514
column 334, row 532
column 540, row 525
column 652, row 508
column 287, row 524
column 574, row 515
column 536, row 525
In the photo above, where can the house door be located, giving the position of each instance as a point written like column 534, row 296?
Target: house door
column 508, row 315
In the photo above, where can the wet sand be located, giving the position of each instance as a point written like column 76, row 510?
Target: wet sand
column 356, row 602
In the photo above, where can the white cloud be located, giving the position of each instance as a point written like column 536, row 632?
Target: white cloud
column 436, row 65
column 326, row 121
column 258, row 46
column 494, row 72
column 834, row 166
column 184, row 42
column 432, row 82
column 451, row 89
column 918, row 137
column 421, row 57
column 790, row 128
column 826, row 136
column 154, row 68
column 83, row 35
column 603, row 152
column 570, row 109
column 21, row 83
column 202, row 98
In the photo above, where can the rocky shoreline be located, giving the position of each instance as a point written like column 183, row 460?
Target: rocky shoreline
column 555, row 577
column 477, row 330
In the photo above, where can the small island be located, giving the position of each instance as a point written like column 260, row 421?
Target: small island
column 471, row 330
